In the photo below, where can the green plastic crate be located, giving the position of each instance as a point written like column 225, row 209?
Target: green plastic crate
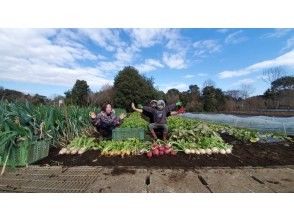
column 126, row 133
column 22, row 156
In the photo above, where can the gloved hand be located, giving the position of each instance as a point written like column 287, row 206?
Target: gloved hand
column 178, row 103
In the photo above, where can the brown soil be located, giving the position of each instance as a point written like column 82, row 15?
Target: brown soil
column 243, row 154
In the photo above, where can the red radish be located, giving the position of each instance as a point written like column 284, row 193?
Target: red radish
column 155, row 152
column 149, row 154
column 161, row 152
column 161, row 148
column 167, row 147
column 168, row 151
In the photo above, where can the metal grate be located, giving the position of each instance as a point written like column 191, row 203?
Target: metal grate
column 49, row 179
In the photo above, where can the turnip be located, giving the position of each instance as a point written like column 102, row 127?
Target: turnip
column 208, row 151
column 192, row 151
column 74, row 151
column 229, row 150
column 187, row 151
column 62, row 151
column 202, row 151
column 149, row 154
column 161, row 148
column 197, row 152
column 82, row 150
column 155, row 152
column 215, row 150
column 222, row 151
column 168, row 151
column 128, row 153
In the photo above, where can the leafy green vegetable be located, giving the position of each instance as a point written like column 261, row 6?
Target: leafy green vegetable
column 134, row 120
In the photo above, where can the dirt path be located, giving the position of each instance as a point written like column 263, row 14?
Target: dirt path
column 131, row 179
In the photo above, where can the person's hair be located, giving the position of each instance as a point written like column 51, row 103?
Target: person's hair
column 104, row 106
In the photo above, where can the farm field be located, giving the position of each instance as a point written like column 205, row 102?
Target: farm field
column 193, row 146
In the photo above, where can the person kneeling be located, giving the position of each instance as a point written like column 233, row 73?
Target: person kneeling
column 106, row 120
column 160, row 113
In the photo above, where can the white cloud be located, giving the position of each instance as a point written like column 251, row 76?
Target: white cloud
column 202, row 74
column 148, row 37
column 174, row 60
column 286, row 60
column 180, row 86
column 149, row 65
column 46, row 56
column 206, row 47
column 277, row 33
column 289, row 45
column 246, row 81
column 189, row 76
column 235, row 38
column 108, row 39
column 171, row 40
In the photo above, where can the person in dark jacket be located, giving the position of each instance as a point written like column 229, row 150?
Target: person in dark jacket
column 148, row 114
column 106, row 120
column 160, row 113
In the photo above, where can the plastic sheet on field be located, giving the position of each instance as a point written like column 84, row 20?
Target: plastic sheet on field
column 283, row 125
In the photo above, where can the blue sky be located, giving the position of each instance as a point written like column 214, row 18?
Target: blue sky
column 48, row 61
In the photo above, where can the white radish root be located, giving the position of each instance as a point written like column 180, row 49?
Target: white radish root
column 202, row 151
column 74, row 151
column 208, row 151
column 215, row 150
column 187, row 151
column 223, row 151
column 62, row 151
column 229, row 150
column 81, row 151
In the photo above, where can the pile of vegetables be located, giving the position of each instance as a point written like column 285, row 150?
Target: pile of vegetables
column 199, row 140
column 128, row 147
column 134, row 120
column 79, row 145
column 160, row 148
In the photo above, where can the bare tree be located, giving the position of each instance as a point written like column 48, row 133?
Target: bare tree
column 208, row 82
column 246, row 90
column 235, row 94
column 273, row 73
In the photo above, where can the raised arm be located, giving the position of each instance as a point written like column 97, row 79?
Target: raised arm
column 136, row 109
column 95, row 119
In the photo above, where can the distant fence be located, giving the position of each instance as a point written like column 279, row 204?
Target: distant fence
column 261, row 123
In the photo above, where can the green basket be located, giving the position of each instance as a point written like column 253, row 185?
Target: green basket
column 126, row 133
column 22, row 156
